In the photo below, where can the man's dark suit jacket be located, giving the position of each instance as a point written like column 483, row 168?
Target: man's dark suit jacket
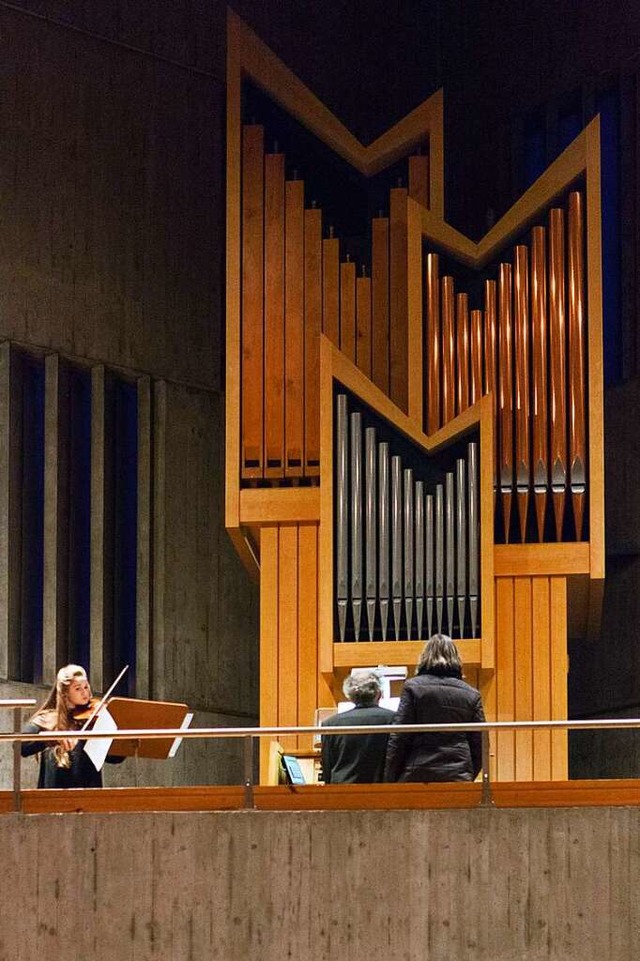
column 355, row 758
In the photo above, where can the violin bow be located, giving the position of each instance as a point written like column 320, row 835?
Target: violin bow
column 103, row 699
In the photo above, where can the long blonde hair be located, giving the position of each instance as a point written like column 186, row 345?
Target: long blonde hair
column 53, row 714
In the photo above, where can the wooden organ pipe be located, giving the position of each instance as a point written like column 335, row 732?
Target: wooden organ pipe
column 539, row 383
column 363, row 324
column 433, row 344
column 475, row 381
column 505, row 393
column 414, row 553
column 293, row 327
column 252, row 359
column 490, row 361
column 448, row 351
column 331, row 289
column 577, row 350
column 463, row 348
column 348, row 309
column 380, row 302
column 490, row 337
column 398, row 298
column 557, row 357
column 312, row 328
column 522, row 424
column 274, row 314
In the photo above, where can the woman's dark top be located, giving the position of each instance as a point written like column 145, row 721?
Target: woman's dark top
column 82, row 772
column 436, row 756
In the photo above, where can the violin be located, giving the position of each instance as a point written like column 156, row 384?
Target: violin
column 85, row 714
column 88, row 711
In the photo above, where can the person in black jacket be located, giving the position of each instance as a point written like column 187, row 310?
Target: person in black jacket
column 63, row 763
column 357, row 758
column 436, row 695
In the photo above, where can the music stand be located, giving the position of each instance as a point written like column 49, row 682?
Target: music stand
column 130, row 713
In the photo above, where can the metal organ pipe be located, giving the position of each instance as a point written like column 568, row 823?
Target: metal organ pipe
column 404, row 544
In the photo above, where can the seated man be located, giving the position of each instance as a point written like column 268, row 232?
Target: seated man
column 357, row 758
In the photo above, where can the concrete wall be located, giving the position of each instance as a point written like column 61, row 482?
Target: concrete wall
column 112, row 178
column 504, row 885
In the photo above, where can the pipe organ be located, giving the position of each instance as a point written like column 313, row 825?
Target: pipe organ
column 405, row 455
column 529, row 338
column 407, row 555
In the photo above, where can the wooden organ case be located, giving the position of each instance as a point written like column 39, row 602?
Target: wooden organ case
column 404, row 454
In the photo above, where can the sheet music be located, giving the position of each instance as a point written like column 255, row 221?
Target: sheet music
column 98, row 748
column 188, row 718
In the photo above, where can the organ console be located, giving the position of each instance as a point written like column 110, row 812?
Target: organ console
column 403, row 455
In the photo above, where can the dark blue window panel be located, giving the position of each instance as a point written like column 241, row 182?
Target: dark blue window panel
column 125, row 489
column 79, row 384
column 608, row 107
column 32, row 561
column 534, row 149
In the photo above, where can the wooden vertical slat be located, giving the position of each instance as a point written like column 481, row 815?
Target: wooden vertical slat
column 463, row 351
column 348, row 310
column 331, row 289
column 475, row 382
column 98, row 600
column 558, row 678
column 524, row 634
column 448, row 351
column 307, row 626
column 488, row 686
column 505, row 676
column 274, row 314
column 398, row 307
column 541, row 677
column 419, row 178
column 10, row 546
column 380, row 302
column 252, row 277
column 269, row 632
column 363, row 325
column 143, row 541
column 433, row 345
column 294, row 333
column 55, row 619
column 312, row 328
column 159, row 542
column 288, row 573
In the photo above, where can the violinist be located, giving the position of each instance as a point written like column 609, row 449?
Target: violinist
column 64, row 763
